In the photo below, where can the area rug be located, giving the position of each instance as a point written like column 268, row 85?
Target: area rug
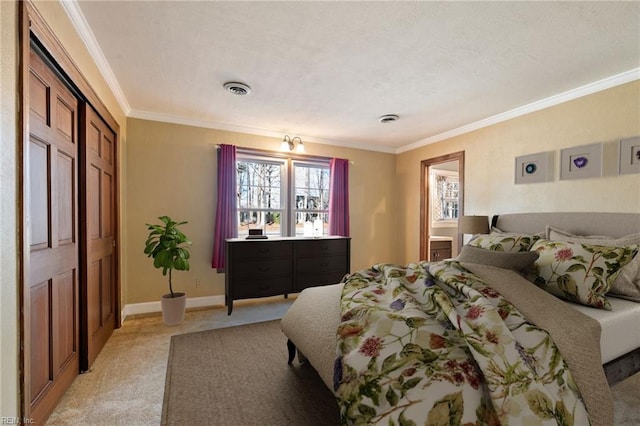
column 240, row 376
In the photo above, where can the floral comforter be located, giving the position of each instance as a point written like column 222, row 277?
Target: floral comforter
column 432, row 344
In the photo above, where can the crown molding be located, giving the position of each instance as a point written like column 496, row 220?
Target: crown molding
column 587, row 89
column 79, row 22
column 167, row 118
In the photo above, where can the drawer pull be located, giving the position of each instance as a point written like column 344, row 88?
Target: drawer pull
column 263, row 268
column 264, row 250
column 324, row 265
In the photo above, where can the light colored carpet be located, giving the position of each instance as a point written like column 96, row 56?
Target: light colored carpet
column 239, row 376
column 126, row 384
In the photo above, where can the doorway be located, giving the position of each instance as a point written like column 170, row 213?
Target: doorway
column 441, row 204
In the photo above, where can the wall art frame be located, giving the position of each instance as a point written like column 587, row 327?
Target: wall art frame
column 581, row 162
column 532, row 168
column 629, row 156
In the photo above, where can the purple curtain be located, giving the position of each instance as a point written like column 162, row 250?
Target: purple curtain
column 226, row 210
column 339, row 197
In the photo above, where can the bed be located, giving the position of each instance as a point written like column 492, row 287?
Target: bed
column 313, row 319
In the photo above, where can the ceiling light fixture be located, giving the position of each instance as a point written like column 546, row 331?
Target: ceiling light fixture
column 288, row 144
column 388, row 118
column 236, row 88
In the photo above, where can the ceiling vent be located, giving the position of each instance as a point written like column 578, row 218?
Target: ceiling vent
column 388, row 118
column 236, row 88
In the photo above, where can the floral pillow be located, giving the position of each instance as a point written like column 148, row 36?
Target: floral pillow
column 504, row 241
column 627, row 284
column 580, row 273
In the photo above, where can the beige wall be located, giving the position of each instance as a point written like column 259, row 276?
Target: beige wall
column 490, row 153
column 8, row 210
column 172, row 171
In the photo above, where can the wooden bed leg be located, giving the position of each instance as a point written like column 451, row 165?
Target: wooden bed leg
column 292, row 351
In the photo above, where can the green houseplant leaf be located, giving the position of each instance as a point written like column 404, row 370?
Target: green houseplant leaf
column 168, row 246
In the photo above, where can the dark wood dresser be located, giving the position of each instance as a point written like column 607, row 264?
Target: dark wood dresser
column 273, row 266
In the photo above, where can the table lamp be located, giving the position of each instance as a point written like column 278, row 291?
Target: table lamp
column 473, row 225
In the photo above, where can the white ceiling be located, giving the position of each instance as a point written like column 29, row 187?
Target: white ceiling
column 326, row 71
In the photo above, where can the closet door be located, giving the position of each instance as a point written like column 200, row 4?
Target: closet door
column 97, row 177
column 51, row 292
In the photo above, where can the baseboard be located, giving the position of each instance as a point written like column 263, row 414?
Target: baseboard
column 153, row 307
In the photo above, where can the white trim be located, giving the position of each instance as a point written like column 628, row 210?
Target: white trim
column 587, row 89
column 84, row 30
column 153, row 307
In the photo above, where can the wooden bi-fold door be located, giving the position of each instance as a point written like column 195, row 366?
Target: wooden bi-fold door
column 51, row 299
column 97, row 183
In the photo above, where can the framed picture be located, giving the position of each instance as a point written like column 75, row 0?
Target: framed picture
column 532, row 168
column 581, row 162
column 629, row 156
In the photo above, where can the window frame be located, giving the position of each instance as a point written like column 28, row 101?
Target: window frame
column 282, row 163
column 449, row 176
column 310, row 163
column 287, row 185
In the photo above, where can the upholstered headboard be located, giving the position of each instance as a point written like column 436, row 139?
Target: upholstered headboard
column 607, row 224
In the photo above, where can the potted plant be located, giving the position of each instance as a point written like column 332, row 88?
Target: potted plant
column 169, row 248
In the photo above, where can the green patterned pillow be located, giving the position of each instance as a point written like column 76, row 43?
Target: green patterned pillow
column 504, row 241
column 580, row 273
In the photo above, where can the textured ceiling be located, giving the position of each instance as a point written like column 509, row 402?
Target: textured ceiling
column 327, row 70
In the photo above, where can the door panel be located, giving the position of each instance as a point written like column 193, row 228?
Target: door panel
column 93, row 298
column 107, row 299
column 98, row 171
column 53, row 359
column 65, row 319
column 39, row 202
column 66, row 197
column 40, row 365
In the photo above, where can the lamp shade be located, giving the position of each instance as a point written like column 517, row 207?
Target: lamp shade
column 473, row 225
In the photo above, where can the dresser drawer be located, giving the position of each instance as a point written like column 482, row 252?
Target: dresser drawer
column 312, row 248
column 261, row 249
column 320, row 264
column 440, row 245
column 261, row 288
column 262, row 269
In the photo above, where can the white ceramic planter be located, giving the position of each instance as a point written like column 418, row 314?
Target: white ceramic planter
column 173, row 308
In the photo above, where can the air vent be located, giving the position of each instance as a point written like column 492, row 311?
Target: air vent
column 388, row 118
column 236, row 88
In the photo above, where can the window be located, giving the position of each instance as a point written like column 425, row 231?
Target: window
column 260, row 195
column 281, row 195
column 444, row 210
column 311, row 189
